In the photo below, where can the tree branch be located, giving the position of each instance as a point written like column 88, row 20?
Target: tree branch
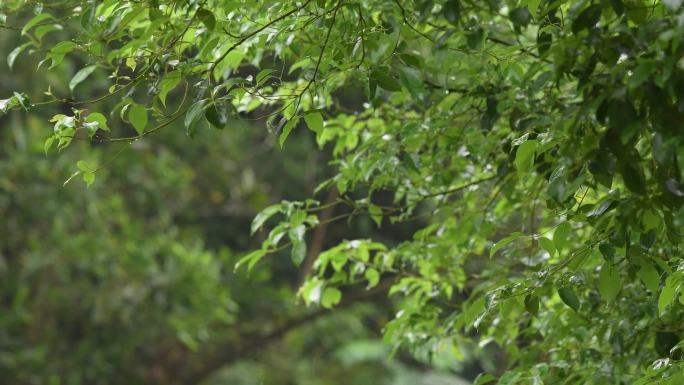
column 229, row 353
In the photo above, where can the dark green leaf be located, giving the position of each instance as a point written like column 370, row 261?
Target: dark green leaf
column 568, row 296
column 532, row 304
column 207, row 18
column 587, row 18
column 452, row 11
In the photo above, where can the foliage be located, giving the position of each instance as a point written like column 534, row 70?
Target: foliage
column 536, row 143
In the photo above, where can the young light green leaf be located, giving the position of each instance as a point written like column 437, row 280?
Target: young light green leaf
column 483, row 378
column 35, row 21
column 331, row 297
column 509, row 378
column 12, row 57
column 137, row 114
column 375, row 213
column 100, row 119
column 287, row 129
column 263, row 216
column 89, row 178
column 298, row 253
column 472, row 311
column 251, row 259
column 81, row 75
column 85, row 166
column 170, row 81
column 504, row 241
column 48, row 144
column 314, row 120
column 58, row 52
column 666, row 298
column 373, row 277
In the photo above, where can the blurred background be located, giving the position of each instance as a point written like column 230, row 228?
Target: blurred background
column 131, row 281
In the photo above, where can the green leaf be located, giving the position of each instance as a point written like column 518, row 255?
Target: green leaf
column 81, row 75
column 48, row 144
column 89, row 178
column 251, row 259
column 609, row 282
column 58, row 52
column 216, row 115
column 137, row 115
column 35, row 21
column 192, row 117
column 373, row 277
column 568, row 296
column 509, row 378
column 587, row 18
column 207, row 18
column 650, row 277
column 375, row 213
column 483, row 378
column 298, row 253
column 666, row 298
column 532, row 304
column 667, row 295
column 287, row 129
column 473, row 310
column 45, row 29
column 520, row 17
column 12, row 57
column 641, row 73
column 168, row 83
column 384, row 80
column 532, row 5
column 84, row 166
column 452, row 11
column 411, row 80
column 331, row 297
column 314, row 120
column 475, row 39
column 548, row 245
column 633, row 176
column 263, row 216
column 263, row 75
column 561, row 234
column 504, row 241
column 100, row 119
column 524, row 156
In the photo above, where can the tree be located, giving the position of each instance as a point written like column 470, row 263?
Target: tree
column 536, row 143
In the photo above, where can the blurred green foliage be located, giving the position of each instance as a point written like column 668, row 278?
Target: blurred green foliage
column 131, row 281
